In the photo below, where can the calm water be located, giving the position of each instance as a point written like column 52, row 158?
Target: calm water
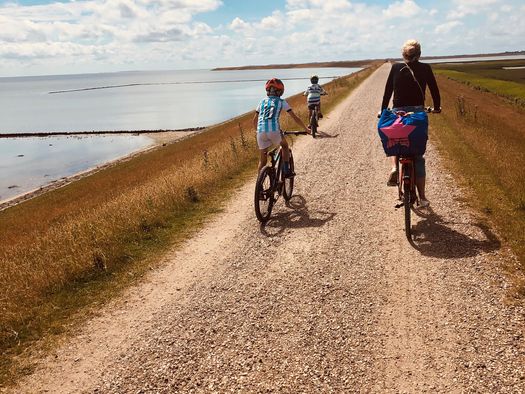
column 28, row 163
column 118, row 101
column 156, row 99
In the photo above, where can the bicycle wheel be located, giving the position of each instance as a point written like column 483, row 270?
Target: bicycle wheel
column 407, row 200
column 313, row 123
column 264, row 190
column 288, row 182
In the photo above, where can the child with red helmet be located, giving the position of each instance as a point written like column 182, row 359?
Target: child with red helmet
column 266, row 122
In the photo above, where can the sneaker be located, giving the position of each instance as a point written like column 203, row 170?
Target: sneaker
column 423, row 203
column 289, row 174
column 320, row 115
column 392, row 178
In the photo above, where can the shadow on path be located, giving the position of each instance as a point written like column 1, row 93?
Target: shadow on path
column 322, row 134
column 434, row 237
column 297, row 217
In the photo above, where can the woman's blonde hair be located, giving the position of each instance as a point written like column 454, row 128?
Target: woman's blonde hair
column 411, row 50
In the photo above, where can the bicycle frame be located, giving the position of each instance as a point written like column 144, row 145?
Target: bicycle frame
column 314, row 119
column 407, row 178
column 271, row 183
column 407, row 190
column 275, row 160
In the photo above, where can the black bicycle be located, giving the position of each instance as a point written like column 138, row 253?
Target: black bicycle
column 271, row 182
column 314, row 119
column 407, row 189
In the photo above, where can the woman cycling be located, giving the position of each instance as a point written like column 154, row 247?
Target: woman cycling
column 408, row 82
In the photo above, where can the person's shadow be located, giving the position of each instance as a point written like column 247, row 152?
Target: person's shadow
column 432, row 236
column 297, row 216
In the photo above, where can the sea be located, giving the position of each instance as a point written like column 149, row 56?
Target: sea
column 121, row 101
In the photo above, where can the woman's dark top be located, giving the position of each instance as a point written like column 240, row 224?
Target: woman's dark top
column 405, row 89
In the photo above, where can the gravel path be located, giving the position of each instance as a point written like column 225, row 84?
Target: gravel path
column 327, row 297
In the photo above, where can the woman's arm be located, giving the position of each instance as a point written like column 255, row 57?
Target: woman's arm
column 389, row 89
column 433, row 87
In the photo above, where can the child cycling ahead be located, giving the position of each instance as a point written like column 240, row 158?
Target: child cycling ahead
column 266, row 122
column 314, row 93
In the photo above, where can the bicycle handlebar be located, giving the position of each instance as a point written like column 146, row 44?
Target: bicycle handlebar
column 431, row 110
column 295, row 133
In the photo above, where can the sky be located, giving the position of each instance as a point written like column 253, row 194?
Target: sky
column 39, row 37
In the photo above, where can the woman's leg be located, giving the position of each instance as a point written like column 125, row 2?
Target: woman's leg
column 394, row 175
column 419, row 162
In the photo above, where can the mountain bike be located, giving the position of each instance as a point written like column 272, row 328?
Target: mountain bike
column 271, row 182
column 314, row 119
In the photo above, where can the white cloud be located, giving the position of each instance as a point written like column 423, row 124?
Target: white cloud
column 275, row 21
column 239, row 25
column 447, row 27
column 402, row 9
column 99, row 34
column 470, row 7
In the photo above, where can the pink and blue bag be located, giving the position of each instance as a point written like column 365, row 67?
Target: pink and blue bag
column 403, row 134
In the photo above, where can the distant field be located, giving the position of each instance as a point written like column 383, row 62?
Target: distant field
column 492, row 76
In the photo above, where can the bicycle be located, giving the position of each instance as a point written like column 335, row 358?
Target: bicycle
column 314, row 119
column 406, row 184
column 271, row 183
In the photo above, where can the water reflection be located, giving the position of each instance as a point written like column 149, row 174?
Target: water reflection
column 28, row 163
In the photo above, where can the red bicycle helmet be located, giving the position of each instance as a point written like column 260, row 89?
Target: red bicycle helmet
column 275, row 85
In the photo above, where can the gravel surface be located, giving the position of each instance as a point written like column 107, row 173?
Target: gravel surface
column 327, row 297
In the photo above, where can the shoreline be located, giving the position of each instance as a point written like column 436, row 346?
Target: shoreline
column 360, row 63
column 159, row 138
column 91, row 133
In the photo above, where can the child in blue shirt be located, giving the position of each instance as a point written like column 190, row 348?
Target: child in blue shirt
column 266, row 122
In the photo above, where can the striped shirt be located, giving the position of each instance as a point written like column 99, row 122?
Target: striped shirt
column 269, row 110
column 314, row 93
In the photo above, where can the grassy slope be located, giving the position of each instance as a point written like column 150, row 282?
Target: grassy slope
column 482, row 139
column 81, row 244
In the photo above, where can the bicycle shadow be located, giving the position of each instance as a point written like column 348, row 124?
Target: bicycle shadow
column 322, row 134
column 298, row 217
column 434, row 237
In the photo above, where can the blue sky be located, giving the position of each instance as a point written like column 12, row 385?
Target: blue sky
column 52, row 37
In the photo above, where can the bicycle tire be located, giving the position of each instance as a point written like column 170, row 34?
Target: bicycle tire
column 407, row 202
column 313, row 124
column 288, row 182
column 264, row 194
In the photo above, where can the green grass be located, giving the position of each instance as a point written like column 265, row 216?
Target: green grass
column 490, row 77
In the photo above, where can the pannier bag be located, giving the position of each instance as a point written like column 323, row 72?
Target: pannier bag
column 403, row 134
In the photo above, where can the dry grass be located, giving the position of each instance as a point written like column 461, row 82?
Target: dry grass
column 483, row 139
column 79, row 233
